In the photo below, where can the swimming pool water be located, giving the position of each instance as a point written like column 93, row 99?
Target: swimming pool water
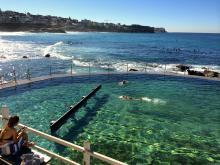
column 177, row 122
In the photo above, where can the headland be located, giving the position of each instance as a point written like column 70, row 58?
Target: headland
column 11, row 21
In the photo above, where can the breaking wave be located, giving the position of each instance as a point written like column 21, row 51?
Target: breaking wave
column 14, row 33
column 15, row 50
column 56, row 51
column 123, row 66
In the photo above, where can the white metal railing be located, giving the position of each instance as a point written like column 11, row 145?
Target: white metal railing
column 31, row 73
column 14, row 74
column 87, row 152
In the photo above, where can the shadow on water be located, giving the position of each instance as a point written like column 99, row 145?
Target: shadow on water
column 78, row 126
column 158, row 115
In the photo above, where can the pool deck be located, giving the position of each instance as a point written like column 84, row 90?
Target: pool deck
column 12, row 84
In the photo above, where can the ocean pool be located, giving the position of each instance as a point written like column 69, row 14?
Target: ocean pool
column 177, row 122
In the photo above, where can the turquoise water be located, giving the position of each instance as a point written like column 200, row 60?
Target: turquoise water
column 178, row 123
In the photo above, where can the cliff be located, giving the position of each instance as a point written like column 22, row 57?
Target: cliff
column 15, row 21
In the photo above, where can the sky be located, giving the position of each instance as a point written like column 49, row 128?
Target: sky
column 173, row 15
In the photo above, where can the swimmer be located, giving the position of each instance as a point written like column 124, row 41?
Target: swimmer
column 124, row 97
column 145, row 99
column 123, row 82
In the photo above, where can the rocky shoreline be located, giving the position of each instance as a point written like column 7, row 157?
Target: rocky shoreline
column 187, row 70
column 205, row 72
column 17, row 27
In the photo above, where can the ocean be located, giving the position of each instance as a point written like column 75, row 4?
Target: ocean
column 116, row 52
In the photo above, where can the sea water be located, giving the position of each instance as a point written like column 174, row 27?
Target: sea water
column 176, row 122
column 100, row 52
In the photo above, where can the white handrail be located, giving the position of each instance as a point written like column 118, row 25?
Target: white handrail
column 71, row 145
column 52, row 138
column 55, row 155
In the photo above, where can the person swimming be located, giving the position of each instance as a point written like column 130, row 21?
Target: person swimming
column 124, row 97
column 145, row 99
column 123, row 82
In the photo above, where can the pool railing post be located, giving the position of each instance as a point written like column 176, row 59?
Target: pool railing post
column 14, row 76
column 108, row 69
column 50, row 71
column 5, row 115
column 86, row 156
column 71, row 72
column 165, row 68
column 89, row 69
column 1, row 80
column 28, row 74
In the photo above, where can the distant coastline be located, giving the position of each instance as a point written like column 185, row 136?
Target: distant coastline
column 11, row 21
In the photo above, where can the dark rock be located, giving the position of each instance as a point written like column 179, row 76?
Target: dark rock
column 183, row 68
column 159, row 30
column 25, row 57
column 52, row 30
column 208, row 73
column 3, row 57
column 196, row 73
column 47, row 55
column 133, row 70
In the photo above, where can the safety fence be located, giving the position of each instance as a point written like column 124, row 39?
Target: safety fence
column 49, row 68
column 85, row 150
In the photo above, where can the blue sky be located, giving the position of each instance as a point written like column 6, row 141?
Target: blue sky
column 174, row 15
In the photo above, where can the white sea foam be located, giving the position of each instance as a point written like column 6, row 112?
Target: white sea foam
column 14, row 33
column 123, row 66
column 75, row 33
column 204, row 67
column 55, row 50
column 78, row 62
column 10, row 51
column 51, row 48
column 154, row 100
column 146, row 99
column 158, row 101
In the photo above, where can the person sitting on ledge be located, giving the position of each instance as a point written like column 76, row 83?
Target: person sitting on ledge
column 10, row 134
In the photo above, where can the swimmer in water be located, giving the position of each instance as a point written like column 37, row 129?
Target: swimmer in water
column 124, row 97
column 145, row 99
column 123, row 82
